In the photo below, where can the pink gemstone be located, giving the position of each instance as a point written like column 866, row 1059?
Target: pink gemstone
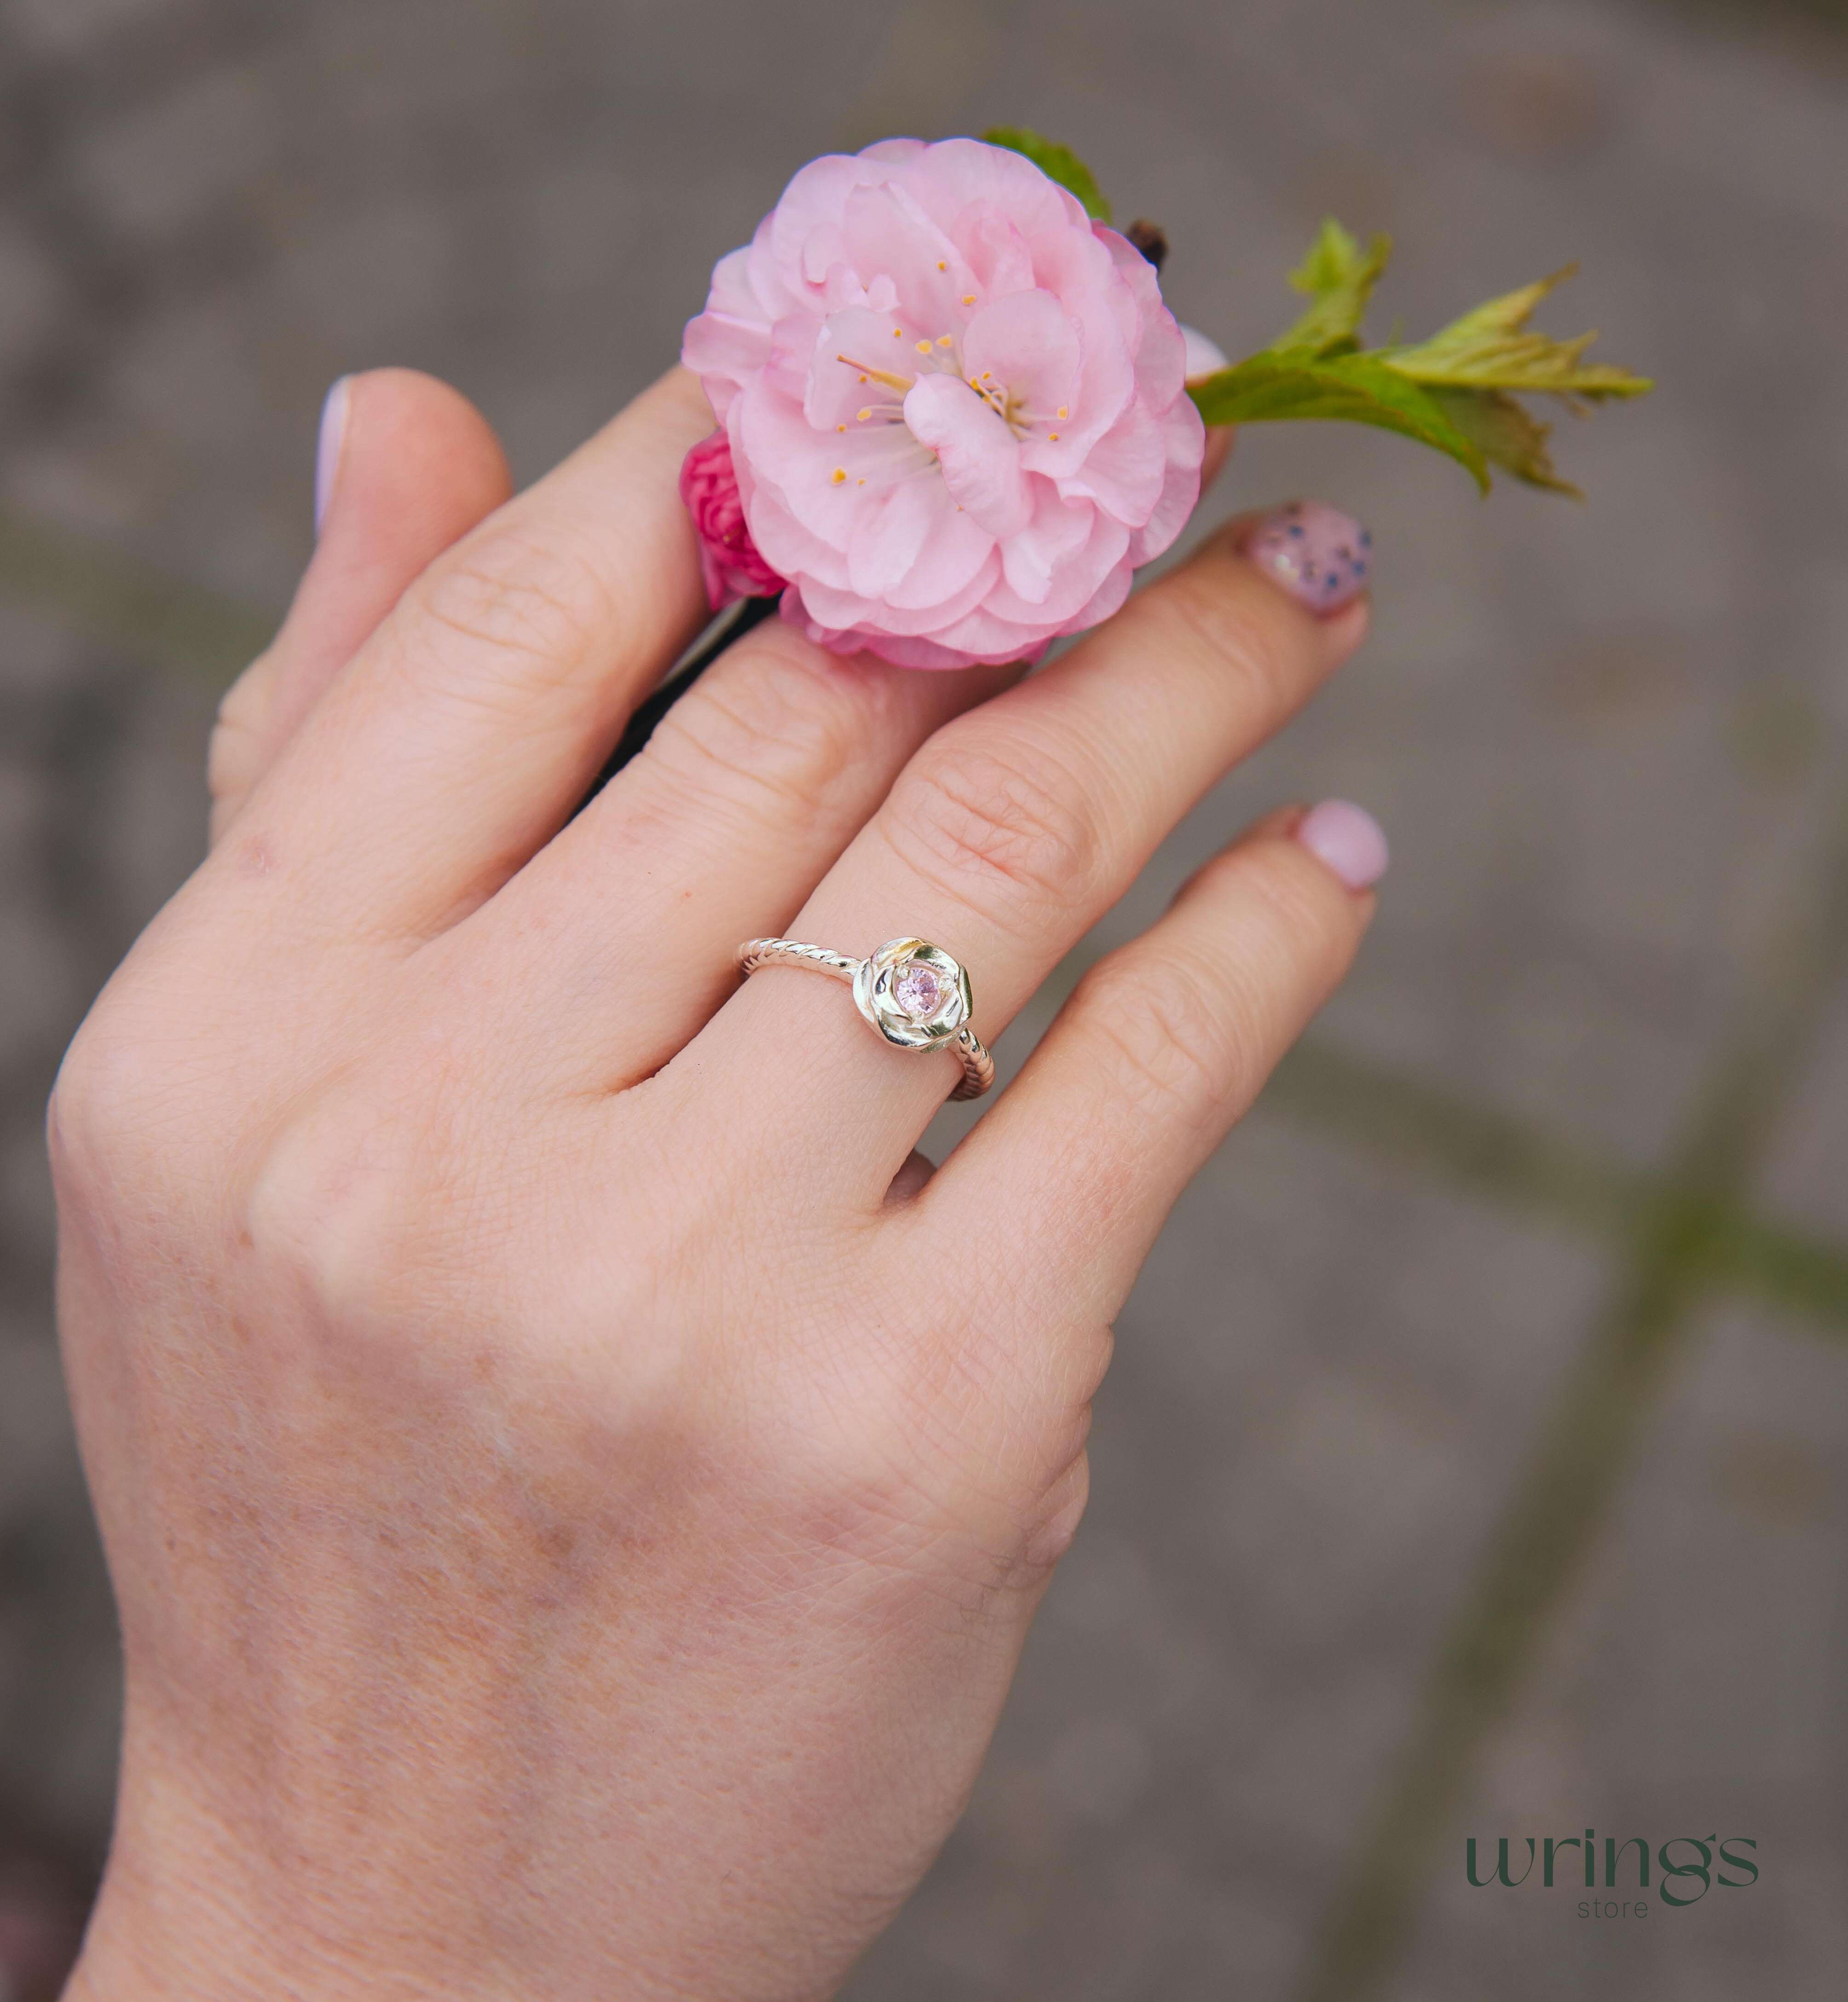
column 918, row 990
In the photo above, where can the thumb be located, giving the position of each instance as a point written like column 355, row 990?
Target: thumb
column 407, row 466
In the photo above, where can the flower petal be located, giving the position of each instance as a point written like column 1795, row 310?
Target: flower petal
column 845, row 346
column 957, row 552
column 980, row 458
column 890, row 532
column 1027, row 343
column 1074, row 581
column 1124, row 471
column 886, row 231
column 1183, row 438
column 1059, row 529
column 999, row 253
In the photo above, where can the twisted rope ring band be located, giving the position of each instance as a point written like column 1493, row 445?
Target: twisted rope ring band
column 911, row 992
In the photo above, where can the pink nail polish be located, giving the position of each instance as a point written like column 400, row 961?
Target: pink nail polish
column 1348, row 839
column 1319, row 555
column 327, row 451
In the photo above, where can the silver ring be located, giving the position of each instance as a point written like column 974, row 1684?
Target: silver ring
column 911, row 992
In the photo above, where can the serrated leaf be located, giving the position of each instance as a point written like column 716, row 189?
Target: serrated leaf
column 1495, row 348
column 1339, row 277
column 1057, row 162
column 1506, row 433
column 1273, row 387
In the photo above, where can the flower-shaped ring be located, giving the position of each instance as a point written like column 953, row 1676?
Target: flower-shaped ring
column 911, row 992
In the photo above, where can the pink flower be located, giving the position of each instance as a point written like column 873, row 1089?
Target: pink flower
column 955, row 404
column 708, row 485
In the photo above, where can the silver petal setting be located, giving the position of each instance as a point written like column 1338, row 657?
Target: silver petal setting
column 914, row 994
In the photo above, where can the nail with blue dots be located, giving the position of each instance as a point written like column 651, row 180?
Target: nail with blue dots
column 1319, row 555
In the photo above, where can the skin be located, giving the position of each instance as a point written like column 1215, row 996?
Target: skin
column 577, row 1483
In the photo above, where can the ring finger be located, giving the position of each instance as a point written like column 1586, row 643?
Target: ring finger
column 744, row 794
column 1007, row 836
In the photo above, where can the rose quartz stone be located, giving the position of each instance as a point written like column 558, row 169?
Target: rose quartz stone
column 918, row 990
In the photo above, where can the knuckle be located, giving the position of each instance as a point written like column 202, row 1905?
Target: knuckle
column 920, row 1463
column 108, row 1118
column 337, row 1218
column 983, row 824
column 138, row 1136
column 536, row 606
column 237, row 733
column 307, row 1219
column 1234, row 628
column 1170, row 1040
column 780, row 727
column 89, row 1108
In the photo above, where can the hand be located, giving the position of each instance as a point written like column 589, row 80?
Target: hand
column 576, row 1483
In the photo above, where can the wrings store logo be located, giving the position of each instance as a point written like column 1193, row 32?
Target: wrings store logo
column 1683, row 1863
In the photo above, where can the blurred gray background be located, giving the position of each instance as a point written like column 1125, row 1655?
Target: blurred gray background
column 1476, row 1458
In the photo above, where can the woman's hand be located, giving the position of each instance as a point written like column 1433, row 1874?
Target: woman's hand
column 576, row 1483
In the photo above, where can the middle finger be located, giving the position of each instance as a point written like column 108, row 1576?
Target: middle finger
column 1007, row 836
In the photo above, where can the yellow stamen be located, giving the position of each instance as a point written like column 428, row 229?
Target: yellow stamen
column 968, row 298
column 840, row 473
column 897, row 334
column 868, row 373
column 840, row 427
column 942, row 266
column 1062, row 410
column 942, row 341
column 1053, row 436
column 860, row 417
column 923, row 347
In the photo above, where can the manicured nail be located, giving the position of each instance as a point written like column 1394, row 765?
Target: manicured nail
column 1348, row 839
column 1204, row 356
column 1319, row 555
column 327, row 452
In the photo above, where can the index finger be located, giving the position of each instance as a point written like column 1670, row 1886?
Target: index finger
column 460, row 736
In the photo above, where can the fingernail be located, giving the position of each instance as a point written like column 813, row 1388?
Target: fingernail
column 1348, row 840
column 1319, row 555
column 1204, row 356
column 327, row 452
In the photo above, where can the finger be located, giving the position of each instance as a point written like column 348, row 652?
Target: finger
column 746, row 794
column 1160, row 1050
column 912, row 1179
column 743, row 798
column 471, row 721
column 407, row 466
column 1015, row 828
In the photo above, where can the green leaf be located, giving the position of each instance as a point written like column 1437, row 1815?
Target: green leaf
column 1272, row 387
column 1057, row 162
column 1495, row 348
column 1504, row 432
column 1339, row 276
